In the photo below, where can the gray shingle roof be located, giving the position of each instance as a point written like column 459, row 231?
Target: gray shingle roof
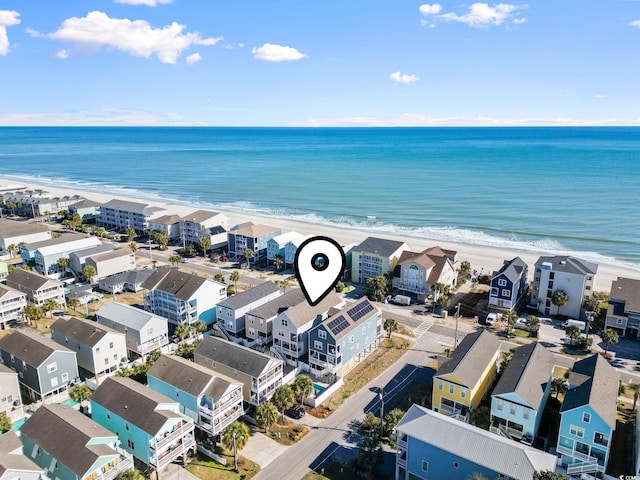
column 12, row 458
column 235, row 356
column 247, row 297
column 252, row 230
column 527, row 374
column 512, row 269
column 628, row 291
column 81, row 330
column 117, row 253
column 8, row 292
column 303, row 313
column 502, row 455
column 86, row 203
column 29, row 280
column 379, row 246
column 132, row 277
column 135, row 403
column 174, row 281
column 471, row 357
column 64, row 433
column 600, row 391
column 200, row 216
column 133, row 207
column 167, row 219
column 30, row 346
column 190, row 377
column 278, row 305
column 14, row 228
column 564, row 263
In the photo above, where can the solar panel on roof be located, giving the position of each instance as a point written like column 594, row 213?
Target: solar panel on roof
column 338, row 324
column 360, row 311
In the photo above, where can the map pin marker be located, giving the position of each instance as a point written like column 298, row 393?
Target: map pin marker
column 319, row 265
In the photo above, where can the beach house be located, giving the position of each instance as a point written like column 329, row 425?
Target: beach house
column 100, row 350
column 260, row 374
column 291, row 327
column 466, row 377
column 435, row 447
column 46, row 257
column 259, row 321
column 519, row 397
column 36, row 203
column 212, row 400
column 78, row 260
column 291, row 247
column 416, row 272
column 375, row 257
column 344, row 339
column 509, row 285
column 10, row 399
column 38, row 288
column 14, row 464
column 109, row 263
column 231, row 311
column 88, row 210
column 276, row 246
column 28, row 250
column 45, row 369
column 70, row 446
column 250, row 236
column 119, row 215
column 169, row 225
column 205, row 223
column 573, row 276
column 12, row 303
column 182, row 298
column 13, row 232
column 588, row 417
column 149, row 424
column 143, row 330
column 623, row 311
column 130, row 281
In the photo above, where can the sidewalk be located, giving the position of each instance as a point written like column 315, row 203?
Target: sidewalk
column 262, row 449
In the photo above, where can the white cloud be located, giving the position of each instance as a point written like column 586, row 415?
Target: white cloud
column 193, row 58
column 484, row 15
column 7, row 19
column 276, row 53
column 417, row 120
column 432, row 9
column 598, row 96
column 107, row 117
column 62, row 53
column 635, row 24
column 137, row 37
column 519, row 21
column 404, row 78
column 148, row 3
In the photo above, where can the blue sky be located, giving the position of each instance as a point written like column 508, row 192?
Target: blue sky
column 328, row 62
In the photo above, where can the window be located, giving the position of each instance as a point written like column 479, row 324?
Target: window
column 512, row 409
column 131, row 445
column 108, row 416
column 110, row 344
column 425, row 466
column 525, row 413
column 351, row 338
column 601, row 439
column 149, row 331
column 502, row 282
column 586, row 417
column 126, row 426
column 506, row 292
column 285, row 322
column 440, row 385
column 494, row 292
column 463, row 392
column 65, row 377
column 281, row 333
column 317, row 345
column 52, row 367
column 500, row 404
column 452, row 388
column 456, row 465
column 619, row 321
column 576, row 431
column 106, row 361
column 252, row 331
column 322, row 334
column 54, row 382
column 97, row 349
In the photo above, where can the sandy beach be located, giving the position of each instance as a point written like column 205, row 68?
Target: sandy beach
column 482, row 258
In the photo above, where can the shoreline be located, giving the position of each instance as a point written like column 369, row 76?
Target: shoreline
column 482, row 258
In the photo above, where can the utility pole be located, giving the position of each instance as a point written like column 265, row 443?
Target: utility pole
column 455, row 340
column 381, row 411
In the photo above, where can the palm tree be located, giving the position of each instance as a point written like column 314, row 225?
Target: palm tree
column 511, row 319
column 130, row 233
column 248, row 255
column 89, row 271
column 133, row 246
column 234, row 277
column 131, row 474
column 5, row 422
column 79, row 392
column 609, row 337
column 63, row 263
column 12, row 206
column 278, row 260
column 205, row 244
column 390, row 325
column 559, row 385
column 72, row 303
column 302, row 387
column 182, row 331
column 218, row 277
column 534, row 324
column 175, row 259
column 198, row 326
column 559, row 298
column 573, row 332
column 49, row 305
column 266, row 414
column 235, row 437
column 284, row 284
column 283, row 397
column 33, row 313
column 635, row 387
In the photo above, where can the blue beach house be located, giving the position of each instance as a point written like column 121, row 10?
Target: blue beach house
column 520, row 395
column 432, row 446
column 344, row 339
column 277, row 245
column 509, row 285
column 588, row 417
column 252, row 236
column 149, row 424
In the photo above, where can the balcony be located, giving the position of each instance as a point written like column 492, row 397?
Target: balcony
column 587, row 462
column 123, row 463
column 174, row 451
column 221, row 410
column 169, row 437
column 451, row 411
column 412, row 288
column 401, row 458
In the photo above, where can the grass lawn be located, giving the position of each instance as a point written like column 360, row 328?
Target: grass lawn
column 206, row 469
column 389, row 351
column 287, row 433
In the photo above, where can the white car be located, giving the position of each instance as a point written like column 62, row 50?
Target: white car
column 491, row 319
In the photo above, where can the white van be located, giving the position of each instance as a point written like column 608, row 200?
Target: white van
column 578, row 323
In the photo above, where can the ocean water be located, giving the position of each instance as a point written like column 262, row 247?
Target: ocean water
column 568, row 190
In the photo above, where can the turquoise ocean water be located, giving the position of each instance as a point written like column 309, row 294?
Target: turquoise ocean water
column 570, row 190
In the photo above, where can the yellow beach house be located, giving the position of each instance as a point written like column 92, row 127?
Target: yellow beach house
column 463, row 380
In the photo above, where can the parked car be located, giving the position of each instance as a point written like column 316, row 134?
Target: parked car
column 491, row 319
column 295, row 412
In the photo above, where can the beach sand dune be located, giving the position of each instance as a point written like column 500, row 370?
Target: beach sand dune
column 482, row 258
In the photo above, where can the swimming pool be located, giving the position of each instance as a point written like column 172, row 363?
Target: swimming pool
column 318, row 389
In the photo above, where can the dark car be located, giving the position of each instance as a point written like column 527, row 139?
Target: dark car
column 295, row 412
